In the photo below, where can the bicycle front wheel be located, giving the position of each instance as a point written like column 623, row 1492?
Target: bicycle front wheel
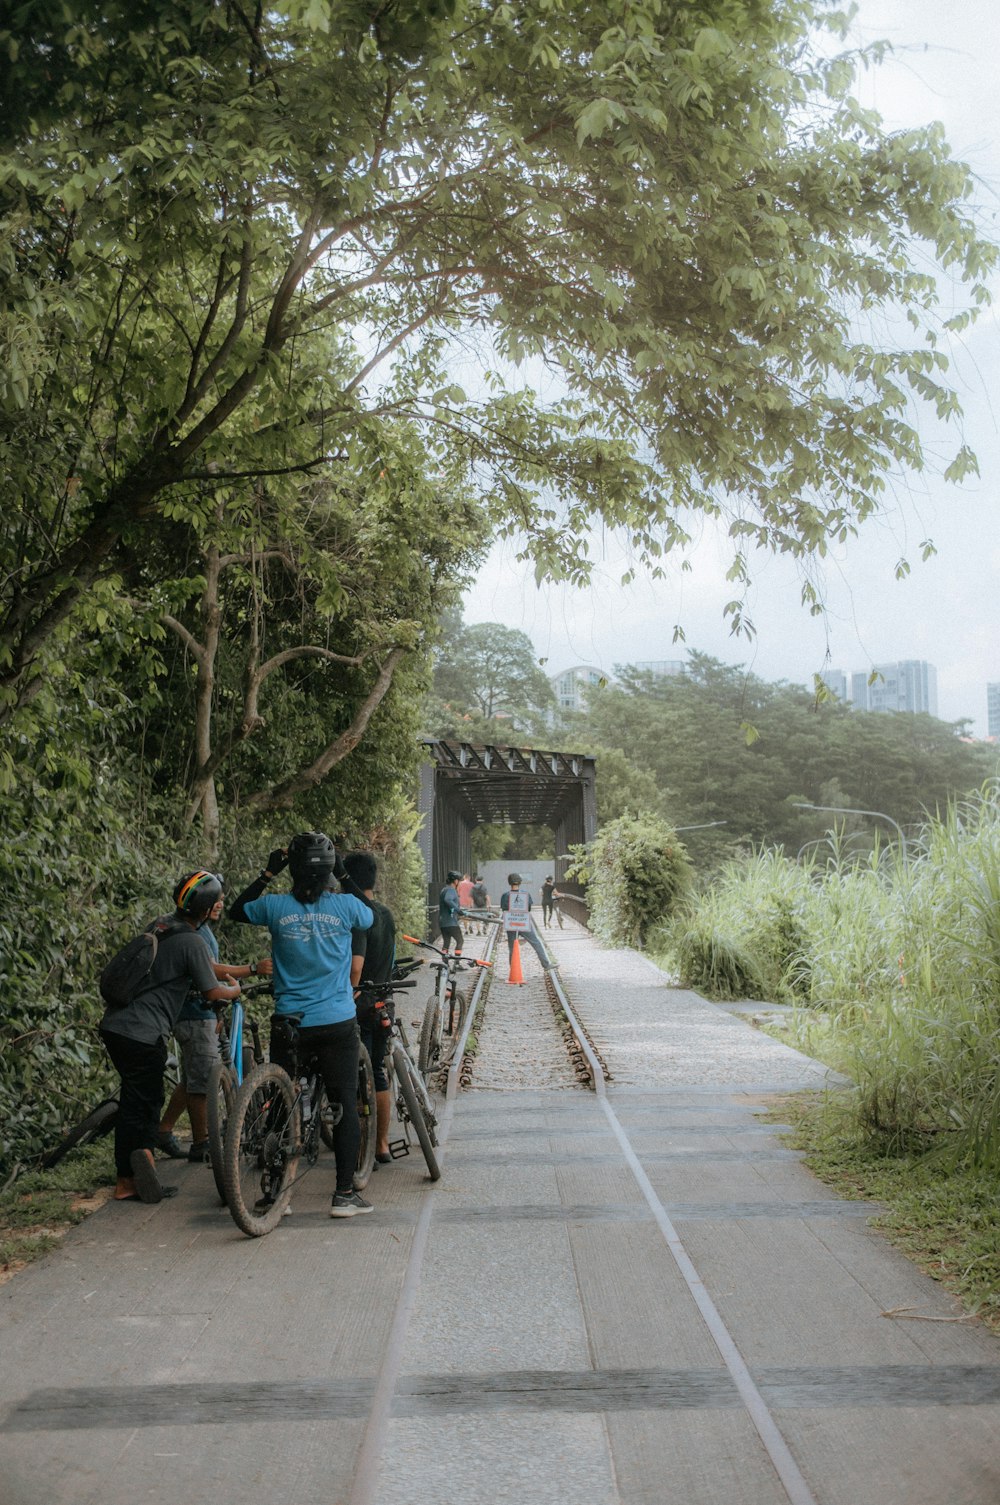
column 221, row 1095
column 261, row 1150
column 411, row 1099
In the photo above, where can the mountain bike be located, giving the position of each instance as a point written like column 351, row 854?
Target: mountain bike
column 236, row 1060
column 414, row 1107
column 277, row 1121
column 446, row 1008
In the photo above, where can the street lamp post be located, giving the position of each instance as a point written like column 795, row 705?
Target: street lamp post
column 844, row 810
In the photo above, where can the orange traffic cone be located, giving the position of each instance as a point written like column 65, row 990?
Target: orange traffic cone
column 516, row 975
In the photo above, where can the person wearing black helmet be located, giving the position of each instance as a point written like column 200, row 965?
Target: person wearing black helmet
column 311, row 953
column 135, row 1036
column 449, row 909
column 518, row 921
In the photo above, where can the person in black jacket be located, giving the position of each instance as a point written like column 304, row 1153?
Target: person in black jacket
column 374, row 955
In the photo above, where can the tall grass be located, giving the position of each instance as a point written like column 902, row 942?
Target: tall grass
column 896, row 964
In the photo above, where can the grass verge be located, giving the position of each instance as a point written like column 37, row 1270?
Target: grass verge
column 946, row 1220
column 38, row 1209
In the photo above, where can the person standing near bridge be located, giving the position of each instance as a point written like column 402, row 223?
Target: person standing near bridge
column 449, row 906
column 515, row 906
column 480, row 902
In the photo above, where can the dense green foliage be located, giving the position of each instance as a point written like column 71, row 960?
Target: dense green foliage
column 243, row 251
column 637, row 872
column 720, row 745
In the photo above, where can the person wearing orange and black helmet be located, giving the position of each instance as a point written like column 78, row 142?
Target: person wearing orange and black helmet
column 196, row 1034
column 135, row 1036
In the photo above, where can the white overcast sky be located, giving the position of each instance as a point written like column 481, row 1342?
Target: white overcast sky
column 944, row 68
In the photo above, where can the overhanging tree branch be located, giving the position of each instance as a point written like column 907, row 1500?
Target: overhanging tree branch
column 280, row 796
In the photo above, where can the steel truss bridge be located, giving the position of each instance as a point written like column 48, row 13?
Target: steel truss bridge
column 463, row 786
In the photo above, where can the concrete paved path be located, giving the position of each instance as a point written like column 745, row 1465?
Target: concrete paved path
column 521, row 1332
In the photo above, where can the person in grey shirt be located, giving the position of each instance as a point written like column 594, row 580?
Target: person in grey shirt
column 135, row 1037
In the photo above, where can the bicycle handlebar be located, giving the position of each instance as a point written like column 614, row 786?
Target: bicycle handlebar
column 449, row 956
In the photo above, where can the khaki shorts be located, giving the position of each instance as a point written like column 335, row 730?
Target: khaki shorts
column 199, row 1043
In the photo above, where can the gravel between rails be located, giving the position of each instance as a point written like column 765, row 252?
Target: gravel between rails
column 520, row 1045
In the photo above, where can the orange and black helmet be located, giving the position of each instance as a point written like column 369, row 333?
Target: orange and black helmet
column 196, row 893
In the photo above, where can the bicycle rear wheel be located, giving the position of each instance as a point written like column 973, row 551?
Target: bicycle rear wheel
column 261, row 1151
column 411, row 1094
column 221, row 1096
column 366, row 1113
column 98, row 1122
column 429, row 1052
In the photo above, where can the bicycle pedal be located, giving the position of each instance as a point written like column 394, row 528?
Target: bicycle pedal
column 398, row 1148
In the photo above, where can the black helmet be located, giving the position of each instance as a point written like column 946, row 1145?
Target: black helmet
column 311, row 855
column 452, row 876
column 514, row 879
column 196, row 893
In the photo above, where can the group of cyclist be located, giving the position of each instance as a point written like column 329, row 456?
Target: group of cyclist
column 323, row 945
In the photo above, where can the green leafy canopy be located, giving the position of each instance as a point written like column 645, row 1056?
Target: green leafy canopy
column 677, row 209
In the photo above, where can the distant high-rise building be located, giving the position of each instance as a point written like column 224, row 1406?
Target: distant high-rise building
column 910, row 685
column 859, row 690
column 570, row 685
column 663, row 668
column 836, row 682
column 993, row 710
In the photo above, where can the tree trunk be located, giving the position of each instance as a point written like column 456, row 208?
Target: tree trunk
column 203, row 796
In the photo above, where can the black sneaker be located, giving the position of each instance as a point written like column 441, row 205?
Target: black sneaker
column 168, row 1144
column 199, row 1152
column 347, row 1204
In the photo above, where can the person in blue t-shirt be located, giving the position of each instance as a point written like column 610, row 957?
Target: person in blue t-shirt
column 311, row 953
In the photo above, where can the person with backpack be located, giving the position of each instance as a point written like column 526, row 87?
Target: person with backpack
column 197, row 1035
column 145, row 987
column 518, row 922
column 481, row 902
column 311, row 954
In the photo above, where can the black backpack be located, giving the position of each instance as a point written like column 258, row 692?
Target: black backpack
column 128, row 969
